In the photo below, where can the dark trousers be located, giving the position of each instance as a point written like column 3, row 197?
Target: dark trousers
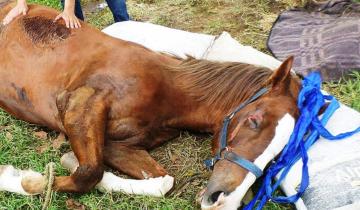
column 117, row 7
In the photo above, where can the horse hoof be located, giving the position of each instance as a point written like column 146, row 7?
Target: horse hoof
column 69, row 161
column 33, row 183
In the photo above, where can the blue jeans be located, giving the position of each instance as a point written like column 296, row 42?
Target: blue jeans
column 117, row 7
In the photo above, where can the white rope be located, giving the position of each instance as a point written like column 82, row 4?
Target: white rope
column 50, row 176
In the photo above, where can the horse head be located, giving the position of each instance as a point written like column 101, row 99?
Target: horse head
column 257, row 134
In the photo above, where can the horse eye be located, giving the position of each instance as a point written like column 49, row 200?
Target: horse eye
column 254, row 122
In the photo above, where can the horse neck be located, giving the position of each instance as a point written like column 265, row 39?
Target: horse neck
column 214, row 89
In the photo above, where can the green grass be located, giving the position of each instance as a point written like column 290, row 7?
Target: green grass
column 19, row 146
column 50, row 3
column 347, row 90
column 248, row 21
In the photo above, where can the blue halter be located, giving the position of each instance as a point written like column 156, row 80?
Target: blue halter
column 228, row 155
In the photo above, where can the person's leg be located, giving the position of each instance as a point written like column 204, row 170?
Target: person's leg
column 78, row 11
column 118, row 9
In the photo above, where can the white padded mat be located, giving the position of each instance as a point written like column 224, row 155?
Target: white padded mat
column 162, row 39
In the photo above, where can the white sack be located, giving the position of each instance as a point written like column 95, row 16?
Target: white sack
column 162, row 39
column 225, row 48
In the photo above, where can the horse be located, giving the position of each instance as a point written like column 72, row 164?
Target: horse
column 116, row 100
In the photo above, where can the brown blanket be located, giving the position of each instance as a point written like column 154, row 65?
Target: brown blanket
column 323, row 37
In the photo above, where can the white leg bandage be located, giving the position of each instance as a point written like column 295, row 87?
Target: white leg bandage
column 111, row 183
column 25, row 182
column 28, row 182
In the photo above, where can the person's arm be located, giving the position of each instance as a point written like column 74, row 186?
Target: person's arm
column 20, row 8
column 68, row 15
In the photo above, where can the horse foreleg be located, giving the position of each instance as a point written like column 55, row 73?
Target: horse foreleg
column 24, row 182
column 134, row 162
column 158, row 186
column 83, row 114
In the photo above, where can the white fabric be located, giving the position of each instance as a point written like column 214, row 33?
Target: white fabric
column 162, row 39
column 334, row 166
column 225, row 48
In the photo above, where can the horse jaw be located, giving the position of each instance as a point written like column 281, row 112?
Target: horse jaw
column 282, row 135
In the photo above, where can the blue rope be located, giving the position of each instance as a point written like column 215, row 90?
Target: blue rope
column 307, row 130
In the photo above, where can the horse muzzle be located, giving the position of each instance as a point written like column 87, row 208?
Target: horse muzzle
column 225, row 188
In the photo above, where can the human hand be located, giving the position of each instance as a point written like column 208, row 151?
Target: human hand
column 20, row 8
column 71, row 21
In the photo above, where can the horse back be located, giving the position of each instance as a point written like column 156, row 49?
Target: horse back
column 42, row 59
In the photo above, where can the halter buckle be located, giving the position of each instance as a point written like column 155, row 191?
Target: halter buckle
column 231, row 116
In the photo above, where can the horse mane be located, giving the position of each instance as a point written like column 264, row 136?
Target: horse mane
column 220, row 84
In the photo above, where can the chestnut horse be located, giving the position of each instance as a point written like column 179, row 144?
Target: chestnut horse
column 115, row 100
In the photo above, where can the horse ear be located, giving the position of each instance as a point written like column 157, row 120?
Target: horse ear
column 281, row 76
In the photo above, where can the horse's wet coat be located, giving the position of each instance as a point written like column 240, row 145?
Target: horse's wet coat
column 116, row 99
column 44, row 31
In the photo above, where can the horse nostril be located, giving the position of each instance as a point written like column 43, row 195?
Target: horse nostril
column 215, row 196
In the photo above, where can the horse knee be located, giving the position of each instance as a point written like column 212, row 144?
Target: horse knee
column 86, row 177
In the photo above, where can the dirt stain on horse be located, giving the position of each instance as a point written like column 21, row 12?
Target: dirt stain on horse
column 44, row 31
column 21, row 93
column 1, row 28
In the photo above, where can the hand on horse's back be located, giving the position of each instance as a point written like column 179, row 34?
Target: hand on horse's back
column 71, row 21
column 21, row 8
column 68, row 15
